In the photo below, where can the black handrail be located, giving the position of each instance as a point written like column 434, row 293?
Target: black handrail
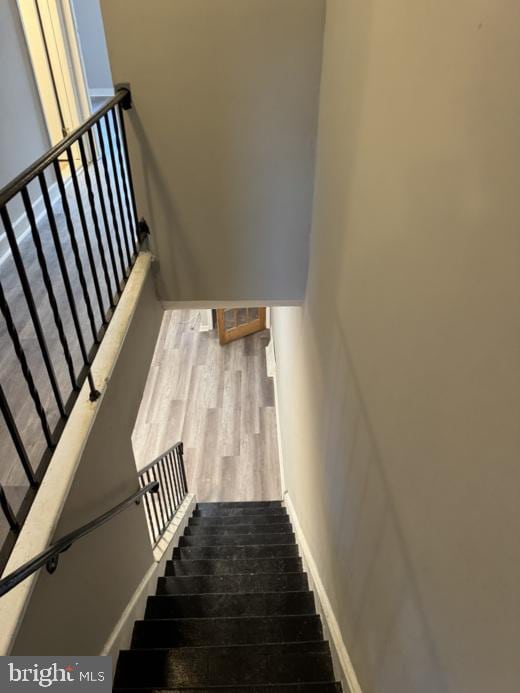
column 50, row 556
column 122, row 96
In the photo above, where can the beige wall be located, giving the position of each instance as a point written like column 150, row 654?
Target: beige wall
column 75, row 610
column 222, row 138
column 399, row 380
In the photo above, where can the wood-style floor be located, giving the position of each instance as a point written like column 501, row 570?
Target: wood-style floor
column 219, row 401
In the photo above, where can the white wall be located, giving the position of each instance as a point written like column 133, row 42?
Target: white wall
column 89, row 24
column 75, row 610
column 399, row 379
column 23, row 133
column 222, row 138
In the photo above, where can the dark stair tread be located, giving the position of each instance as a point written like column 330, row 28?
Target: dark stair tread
column 230, row 604
column 224, row 566
column 306, row 687
column 197, row 530
column 236, row 539
column 251, row 551
column 232, row 583
column 226, row 631
column 242, row 504
column 221, row 665
column 222, row 521
column 217, row 512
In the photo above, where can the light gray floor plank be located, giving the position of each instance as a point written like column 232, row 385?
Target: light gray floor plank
column 220, row 402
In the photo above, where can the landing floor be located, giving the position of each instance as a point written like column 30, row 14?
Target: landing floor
column 220, row 402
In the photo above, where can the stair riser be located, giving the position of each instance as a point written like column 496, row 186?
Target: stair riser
column 228, row 631
column 218, row 666
column 236, row 539
column 227, row 567
column 262, row 505
column 208, row 584
column 235, row 552
column 209, row 521
column 230, row 605
column 231, row 530
column 240, row 512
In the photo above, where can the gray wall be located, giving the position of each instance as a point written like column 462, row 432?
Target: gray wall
column 75, row 610
column 23, row 134
column 400, row 379
column 89, row 24
column 222, row 138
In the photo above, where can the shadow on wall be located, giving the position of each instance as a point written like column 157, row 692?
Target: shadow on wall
column 364, row 564
column 155, row 189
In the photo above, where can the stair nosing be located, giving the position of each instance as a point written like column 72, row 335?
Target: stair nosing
column 189, row 560
column 233, row 546
column 226, row 618
column 214, row 647
column 215, row 594
column 182, row 577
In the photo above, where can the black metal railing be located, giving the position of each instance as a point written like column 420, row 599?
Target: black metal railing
column 169, row 471
column 163, row 488
column 50, row 556
column 71, row 236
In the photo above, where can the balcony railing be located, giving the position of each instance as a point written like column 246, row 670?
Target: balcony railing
column 72, row 234
column 168, row 470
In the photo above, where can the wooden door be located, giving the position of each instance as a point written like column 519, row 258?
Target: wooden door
column 234, row 323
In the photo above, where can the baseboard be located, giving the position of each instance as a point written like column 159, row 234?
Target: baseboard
column 270, row 357
column 97, row 93
column 342, row 663
column 121, row 635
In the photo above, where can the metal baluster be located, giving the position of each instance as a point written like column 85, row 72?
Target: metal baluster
column 160, row 498
column 153, row 498
column 177, row 471
column 16, row 438
column 171, row 492
column 8, row 511
column 15, row 251
column 118, row 191
column 93, row 214
column 24, row 365
column 168, row 492
column 104, row 212
column 171, row 460
column 122, row 179
column 178, row 475
column 66, row 281
column 182, row 467
column 149, row 520
column 75, row 250
column 48, row 285
column 128, row 167
column 108, row 183
column 88, row 246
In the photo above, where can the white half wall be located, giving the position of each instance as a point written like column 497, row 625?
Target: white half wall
column 222, row 139
column 75, row 610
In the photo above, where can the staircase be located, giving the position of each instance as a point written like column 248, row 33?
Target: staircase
column 233, row 611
